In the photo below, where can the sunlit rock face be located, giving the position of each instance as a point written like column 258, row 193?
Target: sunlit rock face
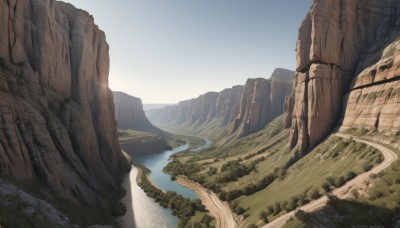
column 333, row 45
column 241, row 110
column 56, row 110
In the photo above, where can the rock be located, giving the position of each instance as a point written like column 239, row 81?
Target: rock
column 332, row 38
column 130, row 115
column 372, row 101
column 238, row 111
column 31, row 205
column 57, row 112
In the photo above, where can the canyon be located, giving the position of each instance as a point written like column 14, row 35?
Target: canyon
column 234, row 112
column 62, row 130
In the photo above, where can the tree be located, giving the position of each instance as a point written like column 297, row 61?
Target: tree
column 302, row 215
column 277, row 208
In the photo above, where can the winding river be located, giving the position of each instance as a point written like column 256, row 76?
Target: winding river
column 143, row 211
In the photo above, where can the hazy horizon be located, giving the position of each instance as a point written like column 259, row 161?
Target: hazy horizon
column 165, row 52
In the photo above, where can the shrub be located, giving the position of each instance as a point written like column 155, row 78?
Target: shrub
column 332, row 199
column 350, row 175
column 326, row 187
column 315, row 194
column 277, row 208
column 239, row 210
column 302, row 215
column 340, row 182
column 367, row 167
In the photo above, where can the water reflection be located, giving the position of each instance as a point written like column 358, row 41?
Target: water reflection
column 142, row 211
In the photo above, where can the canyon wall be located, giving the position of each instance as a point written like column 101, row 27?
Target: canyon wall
column 56, row 110
column 334, row 38
column 241, row 110
column 130, row 115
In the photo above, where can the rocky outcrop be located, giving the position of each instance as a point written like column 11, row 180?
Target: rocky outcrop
column 56, row 110
column 130, row 115
column 332, row 38
column 241, row 110
column 374, row 95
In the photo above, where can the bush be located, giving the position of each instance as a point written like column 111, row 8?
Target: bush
column 326, row 187
column 367, row 167
column 350, row 175
column 302, row 215
column 332, row 199
column 340, row 182
column 239, row 210
column 315, row 194
column 277, row 208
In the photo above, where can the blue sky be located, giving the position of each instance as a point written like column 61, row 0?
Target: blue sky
column 165, row 51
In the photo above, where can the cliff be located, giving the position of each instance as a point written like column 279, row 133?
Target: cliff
column 137, row 135
column 239, row 111
column 130, row 115
column 56, row 110
column 340, row 42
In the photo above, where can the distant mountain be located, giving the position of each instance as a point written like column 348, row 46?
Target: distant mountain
column 147, row 107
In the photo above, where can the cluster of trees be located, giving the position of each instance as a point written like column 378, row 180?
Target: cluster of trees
column 176, row 168
column 337, row 182
column 181, row 207
column 256, row 153
column 205, row 222
column 235, row 169
column 248, row 190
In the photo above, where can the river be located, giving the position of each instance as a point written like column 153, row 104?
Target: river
column 143, row 211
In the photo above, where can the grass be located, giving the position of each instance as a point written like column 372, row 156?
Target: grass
column 172, row 140
column 307, row 179
column 334, row 158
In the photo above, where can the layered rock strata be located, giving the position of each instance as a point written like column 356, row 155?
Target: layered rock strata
column 242, row 110
column 130, row 115
column 56, row 110
column 332, row 39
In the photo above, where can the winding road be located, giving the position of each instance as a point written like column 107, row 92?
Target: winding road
column 218, row 209
column 389, row 158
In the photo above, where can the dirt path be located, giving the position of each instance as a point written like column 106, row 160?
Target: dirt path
column 217, row 209
column 389, row 158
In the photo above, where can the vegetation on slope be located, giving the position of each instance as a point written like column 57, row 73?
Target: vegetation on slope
column 171, row 140
column 252, row 173
column 377, row 207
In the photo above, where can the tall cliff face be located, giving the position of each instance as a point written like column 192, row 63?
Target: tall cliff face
column 56, row 110
column 240, row 110
column 332, row 39
column 130, row 115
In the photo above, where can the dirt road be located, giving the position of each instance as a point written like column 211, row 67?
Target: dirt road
column 218, row 209
column 389, row 158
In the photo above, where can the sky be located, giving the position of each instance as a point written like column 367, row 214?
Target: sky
column 165, row 51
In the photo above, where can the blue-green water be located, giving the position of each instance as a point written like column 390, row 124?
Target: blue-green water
column 155, row 163
column 143, row 211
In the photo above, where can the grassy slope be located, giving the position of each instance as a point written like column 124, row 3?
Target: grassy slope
column 335, row 157
column 377, row 207
column 171, row 140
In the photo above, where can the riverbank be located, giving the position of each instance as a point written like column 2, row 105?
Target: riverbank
column 217, row 209
column 142, row 211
